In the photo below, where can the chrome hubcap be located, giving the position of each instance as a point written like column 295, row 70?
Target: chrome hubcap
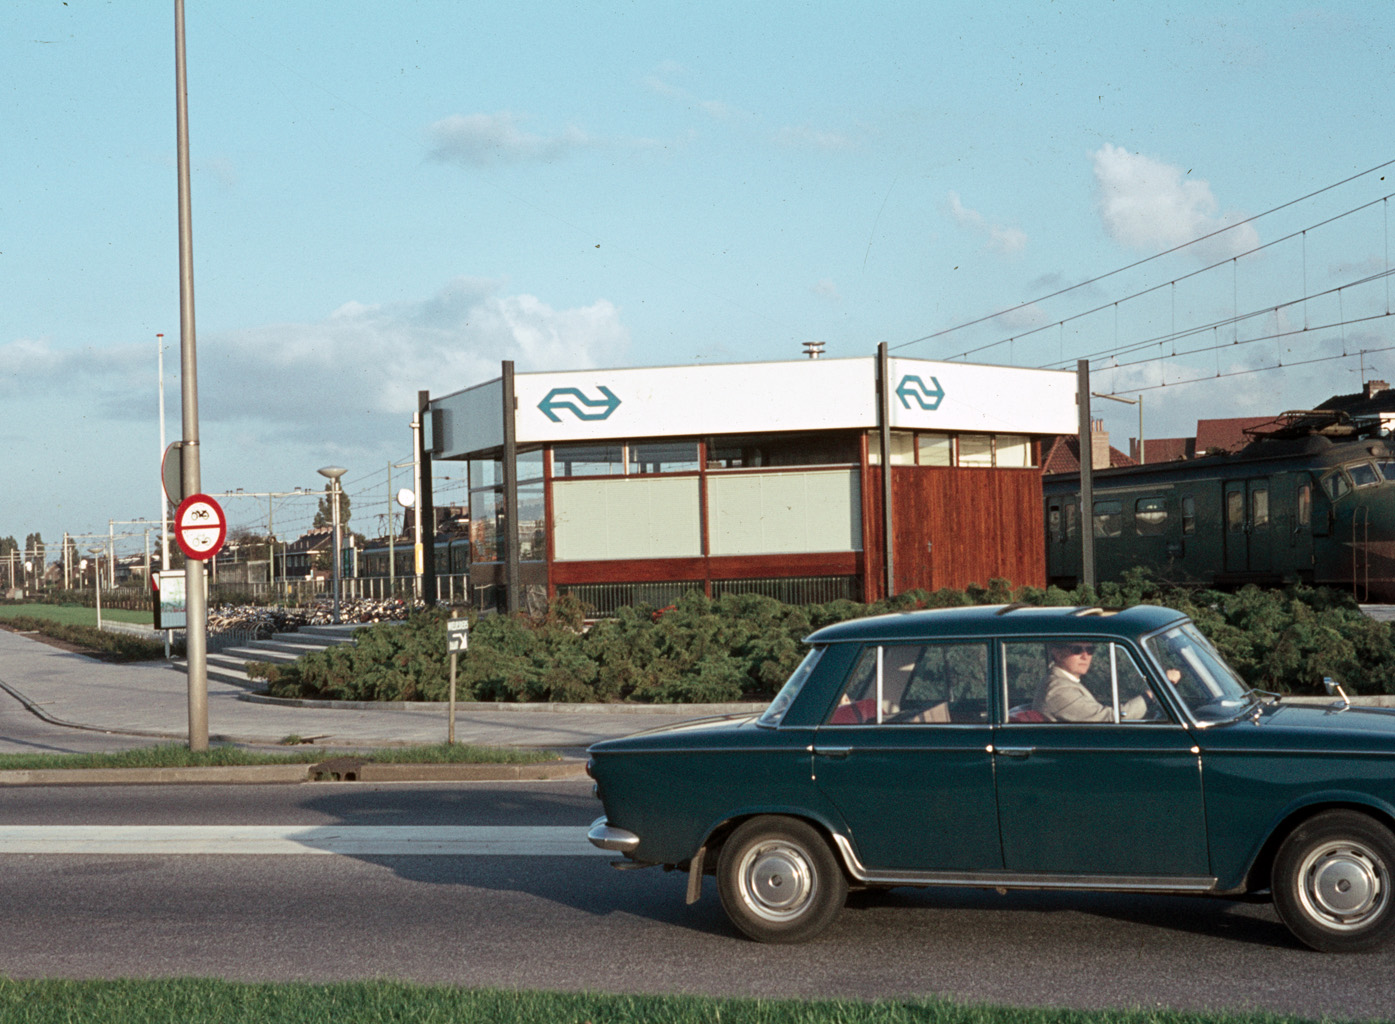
column 1344, row 884
column 777, row 880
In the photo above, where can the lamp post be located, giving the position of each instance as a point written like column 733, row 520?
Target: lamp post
column 1130, row 401
column 334, row 473
column 97, row 579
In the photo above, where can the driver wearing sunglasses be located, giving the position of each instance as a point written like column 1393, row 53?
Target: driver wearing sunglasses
column 1062, row 697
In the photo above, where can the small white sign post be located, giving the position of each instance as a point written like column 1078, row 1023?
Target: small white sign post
column 457, row 640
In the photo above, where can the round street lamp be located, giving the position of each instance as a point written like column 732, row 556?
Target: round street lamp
column 334, row 473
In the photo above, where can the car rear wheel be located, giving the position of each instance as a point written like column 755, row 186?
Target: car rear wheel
column 779, row 881
column 1332, row 882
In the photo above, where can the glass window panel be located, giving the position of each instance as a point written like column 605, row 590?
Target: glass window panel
column 975, row 449
column 486, row 507
column 1150, row 516
column 1109, row 518
column 936, row 449
column 916, row 684
column 1014, row 452
column 804, row 450
column 1305, row 505
column 532, row 538
column 1363, row 474
column 1053, row 527
column 1234, row 511
column 664, row 457
column 588, row 460
column 1188, row 514
column 1070, row 522
column 1259, row 507
column 1075, row 681
column 902, row 448
column 1336, row 484
column 530, row 465
column 1388, row 470
column 486, row 472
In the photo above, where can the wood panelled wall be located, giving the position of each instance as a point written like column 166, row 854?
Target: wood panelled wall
column 956, row 526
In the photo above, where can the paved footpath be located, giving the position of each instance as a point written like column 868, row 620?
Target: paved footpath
column 134, row 704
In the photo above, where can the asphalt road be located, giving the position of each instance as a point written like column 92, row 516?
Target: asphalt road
column 571, row 922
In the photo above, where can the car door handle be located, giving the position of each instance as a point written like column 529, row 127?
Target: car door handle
column 1018, row 752
column 832, row 751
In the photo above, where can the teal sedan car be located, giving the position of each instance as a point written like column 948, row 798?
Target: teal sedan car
column 1015, row 747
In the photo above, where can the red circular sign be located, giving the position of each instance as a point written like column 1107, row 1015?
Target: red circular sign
column 200, row 527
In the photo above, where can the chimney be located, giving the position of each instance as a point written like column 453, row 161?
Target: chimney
column 1374, row 387
column 1099, row 445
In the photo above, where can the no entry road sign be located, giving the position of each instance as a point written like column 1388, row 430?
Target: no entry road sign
column 200, row 527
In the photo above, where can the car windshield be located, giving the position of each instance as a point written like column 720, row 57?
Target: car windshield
column 1205, row 683
column 790, row 690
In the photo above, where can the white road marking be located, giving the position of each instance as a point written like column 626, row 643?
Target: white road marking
column 351, row 840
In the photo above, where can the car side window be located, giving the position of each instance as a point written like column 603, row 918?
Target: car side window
column 1074, row 680
column 916, row 684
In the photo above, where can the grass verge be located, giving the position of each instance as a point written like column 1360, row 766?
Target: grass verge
column 72, row 614
column 173, row 755
column 88, row 639
column 188, row 1001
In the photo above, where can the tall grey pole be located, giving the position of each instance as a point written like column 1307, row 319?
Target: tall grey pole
column 508, row 539
column 884, row 422
column 196, row 634
column 1087, row 475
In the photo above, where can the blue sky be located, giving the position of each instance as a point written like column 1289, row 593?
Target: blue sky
column 394, row 197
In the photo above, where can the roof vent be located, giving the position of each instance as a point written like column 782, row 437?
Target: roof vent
column 814, row 349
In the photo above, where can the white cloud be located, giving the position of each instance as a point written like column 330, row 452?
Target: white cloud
column 1146, row 204
column 480, row 140
column 353, row 375
column 826, row 289
column 999, row 238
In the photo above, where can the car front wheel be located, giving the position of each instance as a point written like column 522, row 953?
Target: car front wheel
column 779, row 881
column 1332, row 882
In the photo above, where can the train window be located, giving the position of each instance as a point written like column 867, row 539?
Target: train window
column 1053, row 527
column 1363, row 474
column 1109, row 518
column 1235, row 511
column 1188, row 514
column 1336, row 484
column 1150, row 516
column 1388, row 470
column 1259, row 507
column 1070, row 522
column 1305, row 505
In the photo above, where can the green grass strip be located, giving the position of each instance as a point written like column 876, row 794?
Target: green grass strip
column 173, row 755
column 73, row 615
column 188, row 1001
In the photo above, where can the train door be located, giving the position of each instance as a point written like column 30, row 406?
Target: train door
column 1301, row 526
column 1248, row 535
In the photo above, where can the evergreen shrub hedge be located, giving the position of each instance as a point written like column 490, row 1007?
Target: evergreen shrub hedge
column 743, row 647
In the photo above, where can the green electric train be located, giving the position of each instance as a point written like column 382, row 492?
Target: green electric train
column 1312, row 500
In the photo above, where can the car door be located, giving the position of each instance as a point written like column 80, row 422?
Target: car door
column 904, row 756
column 1118, row 798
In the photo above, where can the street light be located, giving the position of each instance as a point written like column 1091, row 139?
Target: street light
column 1130, row 401
column 97, row 579
column 334, row 473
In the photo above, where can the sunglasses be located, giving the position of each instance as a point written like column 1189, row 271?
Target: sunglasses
column 1079, row 648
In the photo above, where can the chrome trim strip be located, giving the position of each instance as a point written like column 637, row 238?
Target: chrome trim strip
column 1020, row 880
column 603, row 835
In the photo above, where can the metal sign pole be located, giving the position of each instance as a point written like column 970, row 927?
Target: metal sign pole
column 196, row 635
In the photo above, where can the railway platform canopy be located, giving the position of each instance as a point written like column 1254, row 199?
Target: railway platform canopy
column 633, row 485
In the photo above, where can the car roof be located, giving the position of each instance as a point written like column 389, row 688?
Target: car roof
column 1001, row 620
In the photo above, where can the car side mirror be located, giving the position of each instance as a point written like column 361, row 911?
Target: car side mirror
column 1334, row 689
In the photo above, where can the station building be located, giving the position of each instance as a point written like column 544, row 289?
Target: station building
column 634, row 485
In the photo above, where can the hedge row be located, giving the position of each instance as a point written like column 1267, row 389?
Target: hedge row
column 744, row 646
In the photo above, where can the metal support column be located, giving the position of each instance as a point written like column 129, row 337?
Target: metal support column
column 508, row 538
column 884, row 422
column 1087, row 477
